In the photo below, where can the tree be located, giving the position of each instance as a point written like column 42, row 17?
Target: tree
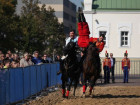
column 54, row 31
column 40, row 27
column 35, row 29
column 32, row 27
column 8, row 24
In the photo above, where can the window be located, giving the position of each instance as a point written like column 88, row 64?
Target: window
column 66, row 16
column 124, row 38
column 73, row 19
column 66, row 29
column 73, row 7
column 103, row 33
column 66, row 3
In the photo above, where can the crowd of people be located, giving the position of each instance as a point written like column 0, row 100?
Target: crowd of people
column 13, row 60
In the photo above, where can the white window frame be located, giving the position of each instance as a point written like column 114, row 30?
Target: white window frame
column 124, row 27
column 124, row 39
column 103, row 27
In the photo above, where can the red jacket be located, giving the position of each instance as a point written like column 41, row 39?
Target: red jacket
column 83, row 40
column 125, row 62
column 99, row 45
column 83, row 29
column 107, row 62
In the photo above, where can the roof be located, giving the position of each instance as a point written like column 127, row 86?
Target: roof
column 116, row 4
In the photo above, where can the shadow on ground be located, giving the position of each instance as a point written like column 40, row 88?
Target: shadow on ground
column 116, row 96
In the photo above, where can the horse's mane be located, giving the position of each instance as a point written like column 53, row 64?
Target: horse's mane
column 70, row 48
column 92, row 56
column 92, row 50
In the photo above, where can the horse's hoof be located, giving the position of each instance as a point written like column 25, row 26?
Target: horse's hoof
column 66, row 97
column 89, row 94
column 83, row 96
column 74, row 96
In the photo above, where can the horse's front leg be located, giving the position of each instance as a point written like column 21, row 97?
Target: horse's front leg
column 84, row 85
column 63, row 87
column 75, row 86
column 92, row 83
column 68, row 89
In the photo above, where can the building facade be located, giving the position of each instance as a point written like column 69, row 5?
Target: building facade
column 118, row 21
column 65, row 11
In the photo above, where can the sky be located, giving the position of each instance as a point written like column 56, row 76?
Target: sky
column 77, row 2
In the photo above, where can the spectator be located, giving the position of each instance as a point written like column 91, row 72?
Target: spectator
column 15, row 64
column 36, row 59
column 7, row 56
column 2, row 57
column 0, row 52
column 58, row 58
column 6, row 64
column 49, row 59
column 44, row 59
column 30, row 57
column 1, row 65
column 11, row 57
column 16, row 57
column 112, row 67
column 9, row 52
column 25, row 61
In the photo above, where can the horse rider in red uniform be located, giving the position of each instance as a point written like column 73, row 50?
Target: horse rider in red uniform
column 84, row 40
column 125, row 67
column 106, row 67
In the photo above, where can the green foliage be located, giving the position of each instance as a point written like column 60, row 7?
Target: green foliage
column 54, row 31
column 8, row 24
column 41, row 29
column 37, row 28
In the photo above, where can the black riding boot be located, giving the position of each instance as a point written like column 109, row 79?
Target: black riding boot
column 83, row 17
column 79, row 17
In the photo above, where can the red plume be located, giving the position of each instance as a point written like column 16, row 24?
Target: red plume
column 106, row 51
column 126, row 52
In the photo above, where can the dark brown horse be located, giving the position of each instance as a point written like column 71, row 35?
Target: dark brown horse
column 91, row 68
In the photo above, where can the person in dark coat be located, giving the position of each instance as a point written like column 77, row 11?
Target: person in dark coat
column 112, row 67
column 44, row 59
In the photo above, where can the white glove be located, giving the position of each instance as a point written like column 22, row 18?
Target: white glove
column 64, row 57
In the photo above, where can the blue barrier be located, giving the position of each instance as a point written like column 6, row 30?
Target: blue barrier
column 48, row 69
column 38, row 77
column 33, row 80
column 17, row 84
column 4, row 87
column 26, row 82
column 44, row 76
column 59, row 76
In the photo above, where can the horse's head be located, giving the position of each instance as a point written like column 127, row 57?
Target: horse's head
column 92, row 49
column 70, row 48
